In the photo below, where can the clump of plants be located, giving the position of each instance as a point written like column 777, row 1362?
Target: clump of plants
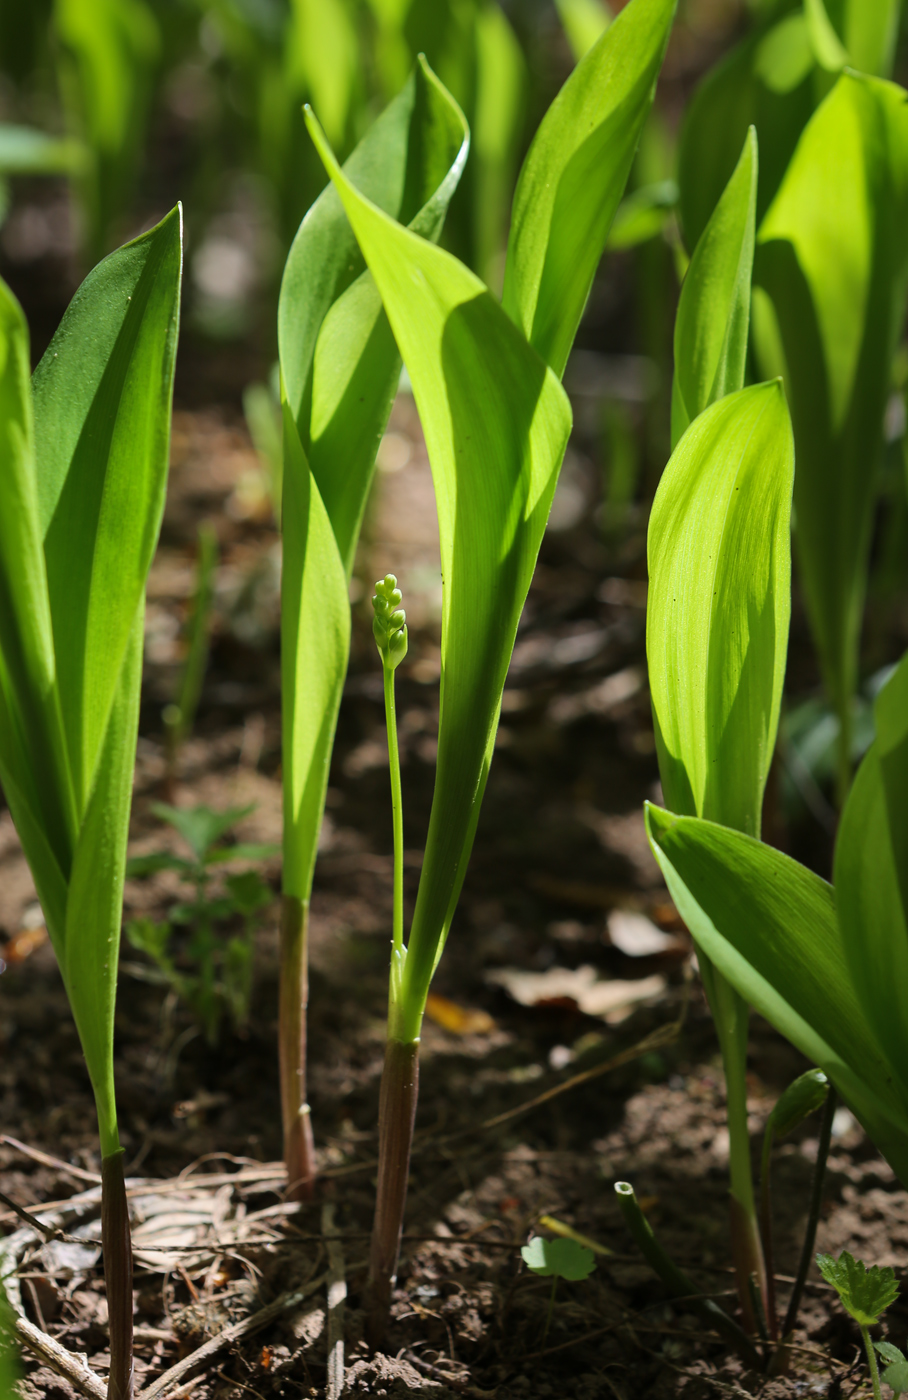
column 204, row 949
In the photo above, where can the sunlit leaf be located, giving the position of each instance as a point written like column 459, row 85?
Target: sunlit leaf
column 496, row 423
column 871, row 871
column 574, row 176
column 561, row 1258
column 713, row 318
column 769, row 926
column 718, row 605
column 584, row 22
column 832, row 254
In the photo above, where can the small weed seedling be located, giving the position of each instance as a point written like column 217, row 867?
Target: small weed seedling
column 555, row 1259
column 213, row 971
column 866, row 1294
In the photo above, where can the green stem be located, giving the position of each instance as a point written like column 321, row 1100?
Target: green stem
column 871, row 1362
column 731, row 1014
column 816, row 1197
column 299, row 1147
column 677, row 1281
column 766, row 1232
column 397, row 815
column 843, row 755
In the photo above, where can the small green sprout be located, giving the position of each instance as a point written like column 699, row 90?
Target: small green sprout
column 216, row 962
column 866, row 1294
column 389, row 625
column 555, row 1259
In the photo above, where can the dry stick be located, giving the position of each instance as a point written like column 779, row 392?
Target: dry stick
column 170, row 1379
column 66, row 1363
column 337, row 1293
column 47, row 1161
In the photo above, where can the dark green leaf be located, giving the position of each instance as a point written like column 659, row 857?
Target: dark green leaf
column 865, row 1293
column 804, row 1096
column 138, row 867
column 199, row 826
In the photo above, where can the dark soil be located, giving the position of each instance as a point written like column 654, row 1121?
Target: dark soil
column 536, row 991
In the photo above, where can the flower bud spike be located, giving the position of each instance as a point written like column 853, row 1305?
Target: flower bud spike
column 389, row 624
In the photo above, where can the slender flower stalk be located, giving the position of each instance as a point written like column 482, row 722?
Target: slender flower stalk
column 400, row 1079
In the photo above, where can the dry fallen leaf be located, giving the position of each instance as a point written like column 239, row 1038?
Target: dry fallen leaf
column 638, row 937
column 612, row 999
column 459, row 1020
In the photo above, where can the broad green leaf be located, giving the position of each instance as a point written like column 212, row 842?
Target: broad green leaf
column 803, row 1096
column 33, row 759
column 102, row 429
column 315, row 636
column 574, row 176
column 322, row 54
column 25, row 151
column 865, row 1293
column 584, row 22
column 713, row 317
column 80, row 507
column 94, row 905
column 896, row 1377
column 888, row 1352
column 832, row 254
column 871, row 871
column 339, row 363
column 496, row 422
column 718, row 607
column 561, row 1258
column 769, row 926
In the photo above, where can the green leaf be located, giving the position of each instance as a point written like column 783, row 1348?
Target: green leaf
column 561, row 1258
column 25, row 151
column 871, row 871
column 718, row 607
column 496, row 423
column 888, row 1352
column 249, row 891
column 199, row 826
column 870, row 33
column 832, row 254
column 497, row 121
column 584, row 22
column 243, row 850
column 340, row 369
column 713, row 318
column 80, row 507
column 766, row 82
column 803, row 1096
column 769, row 926
column 574, row 176
column 865, row 1293
column 102, row 428
column 339, row 363
column 825, row 42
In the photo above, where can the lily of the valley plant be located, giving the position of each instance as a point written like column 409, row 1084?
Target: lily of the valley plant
column 486, row 379
column 84, row 446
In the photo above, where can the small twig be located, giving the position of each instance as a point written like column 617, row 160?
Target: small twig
column 47, row 1231
column 337, row 1294
column 47, row 1161
column 202, row 1355
column 65, row 1363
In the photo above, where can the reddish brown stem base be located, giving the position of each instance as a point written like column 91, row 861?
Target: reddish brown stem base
column 396, row 1115
column 116, row 1246
column 299, row 1146
column 750, row 1269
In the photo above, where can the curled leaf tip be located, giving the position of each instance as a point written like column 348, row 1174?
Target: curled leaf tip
column 389, row 625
